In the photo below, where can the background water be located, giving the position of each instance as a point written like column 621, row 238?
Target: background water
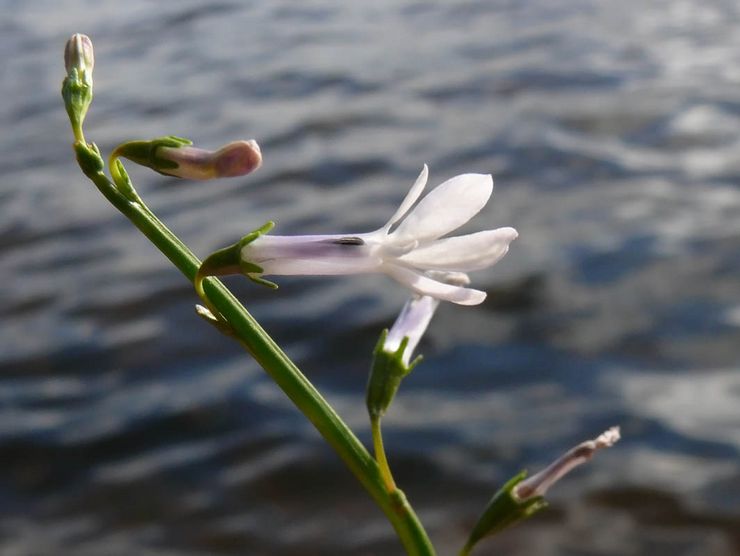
column 127, row 426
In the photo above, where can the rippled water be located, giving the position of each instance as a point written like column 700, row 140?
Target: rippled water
column 612, row 131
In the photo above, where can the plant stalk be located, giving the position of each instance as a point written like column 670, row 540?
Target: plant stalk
column 276, row 363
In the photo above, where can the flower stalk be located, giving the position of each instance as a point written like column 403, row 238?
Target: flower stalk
column 254, row 338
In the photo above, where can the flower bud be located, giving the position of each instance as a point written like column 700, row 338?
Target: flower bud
column 78, row 54
column 237, row 158
column 77, row 87
column 174, row 156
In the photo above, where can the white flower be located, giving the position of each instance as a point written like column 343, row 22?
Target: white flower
column 538, row 484
column 409, row 252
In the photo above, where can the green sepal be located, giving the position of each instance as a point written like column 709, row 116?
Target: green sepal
column 504, row 510
column 263, row 282
column 144, row 152
column 387, row 372
column 229, row 260
column 77, row 92
column 252, row 270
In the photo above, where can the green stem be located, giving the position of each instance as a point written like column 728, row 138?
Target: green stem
column 465, row 550
column 385, row 469
column 277, row 364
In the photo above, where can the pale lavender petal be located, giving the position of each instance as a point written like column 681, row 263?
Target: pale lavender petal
column 424, row 285
column 192, row 162
column 237, row 158
column 446, row 208
column 410, row 199
column 312, row 255
column 319, row 267
column 465, row 253
column 411, row 323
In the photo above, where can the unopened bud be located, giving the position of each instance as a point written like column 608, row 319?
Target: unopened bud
column 237, row 158
column 78, row 54
column 77, row 87
column 175, row 156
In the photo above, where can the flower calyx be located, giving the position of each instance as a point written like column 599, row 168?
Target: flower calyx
column 229, row 260
column 389, row 368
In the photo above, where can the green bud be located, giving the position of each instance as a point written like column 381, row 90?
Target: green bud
column 388, row 370
column 505, row 509
column 77, row 87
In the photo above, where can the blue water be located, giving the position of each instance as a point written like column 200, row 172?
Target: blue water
column 612, row 130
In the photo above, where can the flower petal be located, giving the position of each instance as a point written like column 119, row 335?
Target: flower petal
column 446, row 208
column 411, row 323
column 424, row 285
column 465, row 253
column 327, row 266
column 312, row 255
column 410, row 198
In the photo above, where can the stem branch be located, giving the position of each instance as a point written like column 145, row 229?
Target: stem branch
column 380, row 456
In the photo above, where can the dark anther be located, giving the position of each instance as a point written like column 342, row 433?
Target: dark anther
column 349, row 241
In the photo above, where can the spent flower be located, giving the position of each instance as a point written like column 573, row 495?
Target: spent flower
column 539, row 483
column 522, row 497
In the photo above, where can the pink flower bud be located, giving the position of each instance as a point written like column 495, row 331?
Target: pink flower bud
column 237, row 158
column 78, row 54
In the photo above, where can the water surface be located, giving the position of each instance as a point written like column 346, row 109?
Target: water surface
column 612, row 132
